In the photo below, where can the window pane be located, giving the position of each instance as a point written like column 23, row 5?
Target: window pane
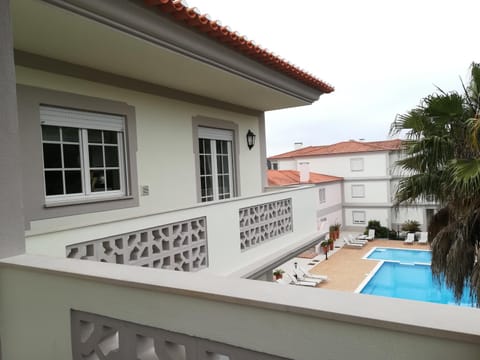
column 53, row 183
column 71, row 156
column 113, row 180
column 208, row 165
column 202, row 164
column 95, row 154
column 97, row 180
column 52, row 156
column 111, row 156
column 109, row 137
column 225, row 164
column 206, row 146
column 219, row 164
column 70, row 134
column 73, row 182
column 95, row 136
column 50, row 133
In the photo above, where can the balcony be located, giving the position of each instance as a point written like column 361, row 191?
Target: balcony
column 53, row 308
column 244, row 236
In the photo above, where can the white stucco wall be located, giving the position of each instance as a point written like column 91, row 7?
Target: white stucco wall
column 289, row 321
column 374, row 164
column 375, row 192
column 380, row 214
column 165, row 158
column 412, row 213
column 287, row 164
column 330, row 211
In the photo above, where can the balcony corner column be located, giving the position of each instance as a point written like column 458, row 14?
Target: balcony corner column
column 12, row 233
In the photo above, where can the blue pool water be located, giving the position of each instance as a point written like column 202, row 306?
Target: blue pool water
column 406, row 275
column 402, row 255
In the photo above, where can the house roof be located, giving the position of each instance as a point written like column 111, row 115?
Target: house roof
column 344, row 147
column 191, row 17
column 292, row 177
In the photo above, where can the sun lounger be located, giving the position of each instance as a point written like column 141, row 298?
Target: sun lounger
column 294, row 281
column 351, row 245
column 423, row 238
column 410, row 239
column 314, row 276
column 371, row 234
column 356, row 241
column 303, row 276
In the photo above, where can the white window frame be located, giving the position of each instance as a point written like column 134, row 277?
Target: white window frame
column 322, row 196
column 84, row 121
column 358, row 191
column 358, row 217
column 215, row 135
column 356, row 164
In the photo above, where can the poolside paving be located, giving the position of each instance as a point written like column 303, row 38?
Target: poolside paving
column 346, row 269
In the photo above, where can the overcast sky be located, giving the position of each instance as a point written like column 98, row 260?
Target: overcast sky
column 382, row 57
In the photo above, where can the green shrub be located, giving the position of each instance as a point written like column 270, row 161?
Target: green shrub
column 380, row 231
column 411, row 226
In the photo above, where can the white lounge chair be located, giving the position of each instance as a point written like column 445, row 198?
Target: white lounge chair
column 351, row 245
column 304, row 275
column 300, row 282
column 423, row 238
column 409, row 239
column 356, row 241
column 371, row 234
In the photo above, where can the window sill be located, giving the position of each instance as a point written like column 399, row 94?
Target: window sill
column 86, row 201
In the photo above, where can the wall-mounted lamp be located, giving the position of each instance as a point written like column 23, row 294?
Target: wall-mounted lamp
column 250, row 139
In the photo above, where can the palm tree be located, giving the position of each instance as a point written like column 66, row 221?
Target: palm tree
column 442, row 160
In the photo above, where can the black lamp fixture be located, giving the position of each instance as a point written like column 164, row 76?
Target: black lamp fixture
column 250, row 139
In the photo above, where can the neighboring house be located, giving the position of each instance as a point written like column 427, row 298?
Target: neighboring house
column 328, row 188
column 126, row 137
column 370, row 179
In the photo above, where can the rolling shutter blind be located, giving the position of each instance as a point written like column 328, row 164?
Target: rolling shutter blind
column 55, row 116
column 215, row 134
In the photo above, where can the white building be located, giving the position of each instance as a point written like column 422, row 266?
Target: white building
column 328, row 192
column 123, row 140
column 370, row 180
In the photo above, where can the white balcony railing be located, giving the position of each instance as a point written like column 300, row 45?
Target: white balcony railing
column 53, row 308
column 222, row 237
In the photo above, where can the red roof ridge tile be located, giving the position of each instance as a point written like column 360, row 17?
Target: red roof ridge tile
column 343, row 147
column 292, row 177
column 192, row 17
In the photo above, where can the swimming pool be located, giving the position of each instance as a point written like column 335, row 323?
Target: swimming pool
column 401, row 255
column 406, row 274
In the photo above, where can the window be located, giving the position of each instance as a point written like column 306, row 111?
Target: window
column 358, row 191
column 216, row 164
column 358, row 217
column 274, row 166
column 356, row 164
column 321, row 195
column 83, row 154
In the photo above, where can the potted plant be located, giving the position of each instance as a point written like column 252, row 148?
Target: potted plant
column 330, row 243
column 278, row 273
column 331, row 231
column 324, row 245
column 336, row 227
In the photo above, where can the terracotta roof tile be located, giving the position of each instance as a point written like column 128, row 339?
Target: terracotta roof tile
column 292, row 177
column 344, row 147
column 191, row 17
